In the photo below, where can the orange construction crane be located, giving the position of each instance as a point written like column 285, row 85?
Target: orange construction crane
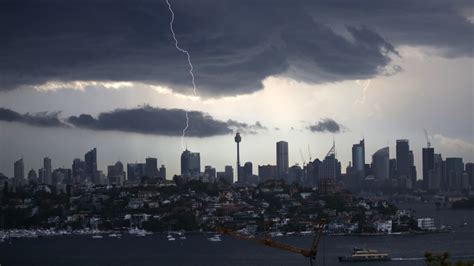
column 267, row 241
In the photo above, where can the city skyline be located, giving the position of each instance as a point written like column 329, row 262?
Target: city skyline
column 190, row 165
column 297, row 74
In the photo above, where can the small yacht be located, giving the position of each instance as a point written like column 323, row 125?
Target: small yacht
column 215, row 238
column 170, row 237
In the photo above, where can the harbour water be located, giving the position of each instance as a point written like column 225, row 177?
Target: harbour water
column 196, row 249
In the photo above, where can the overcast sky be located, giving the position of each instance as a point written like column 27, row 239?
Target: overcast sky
column 106, row 74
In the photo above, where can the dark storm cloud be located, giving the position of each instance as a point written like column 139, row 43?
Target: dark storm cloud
column 326, row 125
column 234, row 45
column 167, row 122
column 41, row 119
column 145, row 120
column 246, row 128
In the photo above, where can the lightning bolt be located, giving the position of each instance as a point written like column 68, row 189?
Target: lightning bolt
column 176, row 45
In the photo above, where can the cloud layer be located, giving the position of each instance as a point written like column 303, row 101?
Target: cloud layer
column 41, row 119
column 326, row 125
column 234, row 45
column 145, row 120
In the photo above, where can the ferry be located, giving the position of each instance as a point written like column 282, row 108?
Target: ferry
column 364, row 255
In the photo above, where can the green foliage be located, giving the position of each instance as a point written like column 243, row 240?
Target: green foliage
column 437, row 260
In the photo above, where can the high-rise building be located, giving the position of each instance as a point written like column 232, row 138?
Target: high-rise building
column 248, row 170
column 313, row 172
column 162, row 172
column 267, row 172
column 210, row 173
column 47, row 171
column 78, row 170
column 41, row 174
column 115, row 174
column 329, row 171
column 61, row 176
column 393, row 168
column 229, row 173
column 19, row 171
column 32, row 176
column 135, row 171
column 381, row 163
column 434, row 175
column 282, row 159
column 226, row 176
column 470, row 173
column 403, row 158
column 428, row 164
column 454, row 171
column 358, row 157
column 151, row 167
column 190, row 164
column 90, row 160
column 295, row 174
column 412, row 167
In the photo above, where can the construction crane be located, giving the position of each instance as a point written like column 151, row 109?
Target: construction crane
column 309, row 153
column 428, row 142
column 267, row 241
column 302, row 158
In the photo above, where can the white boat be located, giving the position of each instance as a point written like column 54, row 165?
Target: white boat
column 215, row 238
column 170, row 237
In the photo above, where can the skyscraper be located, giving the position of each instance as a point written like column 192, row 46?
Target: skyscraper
column 135, row 171
column 403, row 158
column 358, row 157
column 210, row 173
column 190, row 164
column 78, row 169
column 434, row 175
column 282, row 159
column 162, row 172
column 151, row 167
column 454, row 171
column 247, row 170
column 32, row 176
column 393, row 168
column 47, row 171
column 329, row 171
column 428, row 164
column 90, row 159
column 381, row 163
column 267, row 172
column 470, row 173
column 115, row 174
column 19, row 171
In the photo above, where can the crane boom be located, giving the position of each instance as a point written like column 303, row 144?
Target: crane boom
column 428, row 142
column 267, row 241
